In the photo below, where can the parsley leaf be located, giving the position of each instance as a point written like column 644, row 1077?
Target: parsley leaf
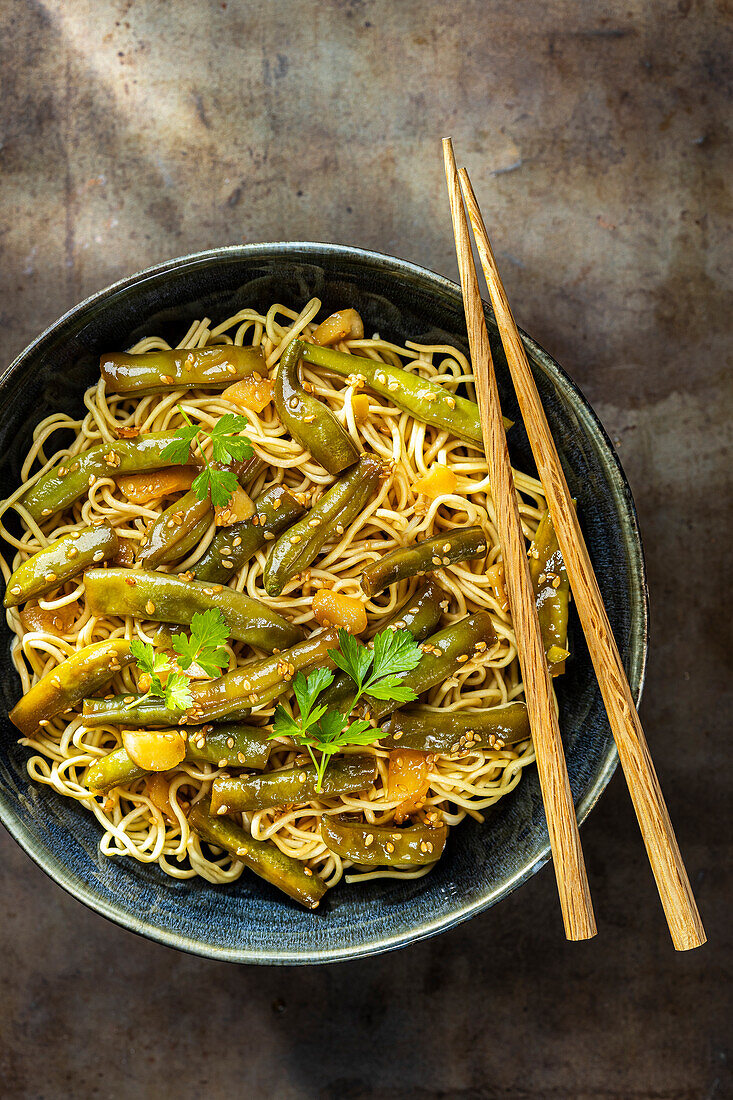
column 179, row 448
column 177, row 693
column 205, row 646
column 395, row 652
column 227, row 446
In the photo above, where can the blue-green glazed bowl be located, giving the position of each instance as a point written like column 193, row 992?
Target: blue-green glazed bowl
column 249, row 921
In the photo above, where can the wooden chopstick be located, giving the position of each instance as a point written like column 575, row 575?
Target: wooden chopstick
column 673, row 884
column 562, row 825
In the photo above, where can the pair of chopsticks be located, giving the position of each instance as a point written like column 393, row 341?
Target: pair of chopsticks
column 669, row 871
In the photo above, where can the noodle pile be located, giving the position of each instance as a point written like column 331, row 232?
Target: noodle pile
column 133, row 823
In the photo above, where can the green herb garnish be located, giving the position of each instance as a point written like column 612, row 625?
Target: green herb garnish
column 316, row 727
column 376, row 671
column 204, row 648
column 205, row 645
column 227, row 446
column 154, row 664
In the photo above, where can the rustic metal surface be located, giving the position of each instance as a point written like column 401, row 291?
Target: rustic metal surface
column 595, row 135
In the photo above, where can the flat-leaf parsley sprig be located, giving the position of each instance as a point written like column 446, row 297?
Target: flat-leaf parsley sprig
column 227, row 445
column 316, row 727
column 376, row 671
column 203, row 648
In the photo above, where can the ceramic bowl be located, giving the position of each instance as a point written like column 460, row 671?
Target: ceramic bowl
column 249, row 921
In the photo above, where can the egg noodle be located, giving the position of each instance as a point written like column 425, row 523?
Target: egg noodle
column 135, row 820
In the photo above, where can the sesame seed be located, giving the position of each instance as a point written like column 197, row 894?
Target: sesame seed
column 446, row 561
column 241, row 758
column 222, row 763
column 230, row 742
column 223, row 810
column 463, row 657
column 368, row 839
column 92, row 479
column 98, row 555
column 150, row 607
column 238, row 542
column 16, row 589
column 389, row 846
column 450, row 402
column 435, row 560
column 295, row 539
column 72, row 552
column 167, row 379
column 51, row 577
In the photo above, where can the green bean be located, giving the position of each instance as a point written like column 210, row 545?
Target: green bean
column 457, row 731
column 443, row 655
column 67, row 684
column 260, row 682
column 176, row 530
column 134, row 709
column 164, row 598
column 214, row 367
column 552, row 593
column 308, row 420
column 72, row 477
column 460, row 544
column 275, row 510
column 60, row 562
column 291, row 785
column 240, row 746
column 383, row 845
column 262, row 857
column 299, row 546
column 184, row 523
column 424, row 400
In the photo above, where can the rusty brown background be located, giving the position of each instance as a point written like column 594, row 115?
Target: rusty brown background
column 596, row 137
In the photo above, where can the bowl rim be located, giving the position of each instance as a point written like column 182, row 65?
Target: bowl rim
column 56, row 869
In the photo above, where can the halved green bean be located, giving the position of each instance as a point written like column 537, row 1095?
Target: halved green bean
column 214, row 367
column 422, row 399
column 261, row 856
column 443, row 654
column 552, row 593
column 260, row 682
column 235, row 745
column 457, row 731
column 420, row 614
column 308, row 420
column 63, row 687
column 63, row 484
column 460, row 544
column 167, row 538
column 299, row 546
column 383, row 845
column 287, row 786
column 133, row 709
column 164, row 598
column 275, row 510
column 60, row 562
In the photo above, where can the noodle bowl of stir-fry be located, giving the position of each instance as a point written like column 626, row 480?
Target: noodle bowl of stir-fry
column 259, row 668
